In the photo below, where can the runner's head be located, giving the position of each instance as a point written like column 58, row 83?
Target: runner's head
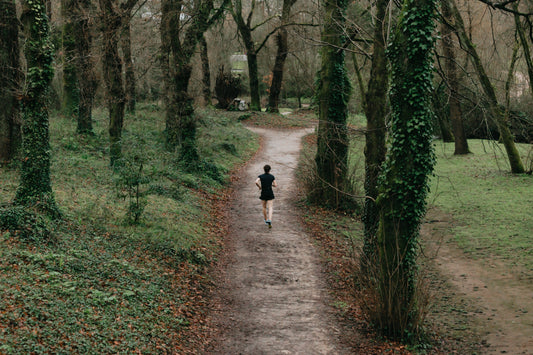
column 266, row 168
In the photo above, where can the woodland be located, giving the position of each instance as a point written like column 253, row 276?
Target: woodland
column 123, row 129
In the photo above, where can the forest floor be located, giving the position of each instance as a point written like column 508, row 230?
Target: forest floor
column 289, row 289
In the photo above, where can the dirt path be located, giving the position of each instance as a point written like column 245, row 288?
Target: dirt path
column 273, row 298
column 504, row 304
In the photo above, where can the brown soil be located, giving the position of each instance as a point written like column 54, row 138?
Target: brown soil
column 499, row 304
column 273, row 299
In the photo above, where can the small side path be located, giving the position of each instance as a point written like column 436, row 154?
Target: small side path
column 274, row 299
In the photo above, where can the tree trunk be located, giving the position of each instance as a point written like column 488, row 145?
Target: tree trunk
column 128, row 61
column 246, row 34
column 112, row 67
column 333, row 93
column 505, row 133
column 206, row 72
column 35, row 187
column 71, row 94
column 85, row 66
column 10, row 135
column 176, row 56
column 456, row 115
column 376, row 108
column 255, row 97
column 277, row 72
column 281, row 56
column 525, row 47
column 404, row 181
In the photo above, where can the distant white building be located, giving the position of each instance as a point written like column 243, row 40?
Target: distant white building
column 238, row 63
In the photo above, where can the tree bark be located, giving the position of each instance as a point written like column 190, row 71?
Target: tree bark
column 277, row 71
column 206, row 72
column 245, row 29
column 176, row 55
column 456, row 115
column 409, row 162
column 505, row 133
column 128, row 59
column 376, row 108
column 333, row 93
column 35, row 187
column 10, row 134
column 281, row 56
column 85, row 66
column 71, row 94
column 112, row 67
column 525, row 47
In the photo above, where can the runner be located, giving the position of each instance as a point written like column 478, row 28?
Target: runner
column 265, row 182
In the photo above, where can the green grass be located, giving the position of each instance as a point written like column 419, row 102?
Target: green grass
column 103, row 285
column 492, row 207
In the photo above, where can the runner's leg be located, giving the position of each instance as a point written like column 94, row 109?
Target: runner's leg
column 270, row 206
column 264, row 203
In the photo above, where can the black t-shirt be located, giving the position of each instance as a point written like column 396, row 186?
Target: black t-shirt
column 266, row 186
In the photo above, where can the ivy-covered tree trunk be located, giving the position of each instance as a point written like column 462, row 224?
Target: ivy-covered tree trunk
column 376, row 108
column 112, row 67
column 10, row 135
column 129, row 76
column 456, row 115
column 409, row 162
column 333, row 92
column 176, row 55
column 206, row 72
column 71, row 94
column 35, row 187
column 503, row 125
column 85, row 65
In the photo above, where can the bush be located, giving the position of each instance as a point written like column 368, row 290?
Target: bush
column 227, row 88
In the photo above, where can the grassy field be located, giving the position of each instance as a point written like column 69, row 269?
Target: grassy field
column 491, row 207
column 104, row 284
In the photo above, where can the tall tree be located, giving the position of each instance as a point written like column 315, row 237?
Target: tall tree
column 71, row 93
column 10, row 136
column 129, row 77
column 35, row 187
column 84, row 63
column 333, row 92
column 409, row 162
column 246, row 29
column 206, row 72
column 182, row 27
column 112, row 67
column 525, row 45
column 281, row 56
column 376, row 108
column 456, row 116
column 497, row 113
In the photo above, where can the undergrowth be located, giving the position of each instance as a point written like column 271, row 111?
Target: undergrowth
column 95, row 282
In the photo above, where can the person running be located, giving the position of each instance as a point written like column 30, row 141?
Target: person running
column 265, row 182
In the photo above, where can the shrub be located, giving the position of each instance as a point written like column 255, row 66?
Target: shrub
column 227, row 88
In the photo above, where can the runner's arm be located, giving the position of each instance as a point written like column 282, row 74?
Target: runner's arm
column 258, row 183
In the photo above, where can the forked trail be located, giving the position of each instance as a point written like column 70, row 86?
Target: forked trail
column 274, row 298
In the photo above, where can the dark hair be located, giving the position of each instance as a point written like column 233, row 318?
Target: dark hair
column 267, row 168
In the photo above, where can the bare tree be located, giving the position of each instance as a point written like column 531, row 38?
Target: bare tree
column 503, row 126
column 281, row 56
